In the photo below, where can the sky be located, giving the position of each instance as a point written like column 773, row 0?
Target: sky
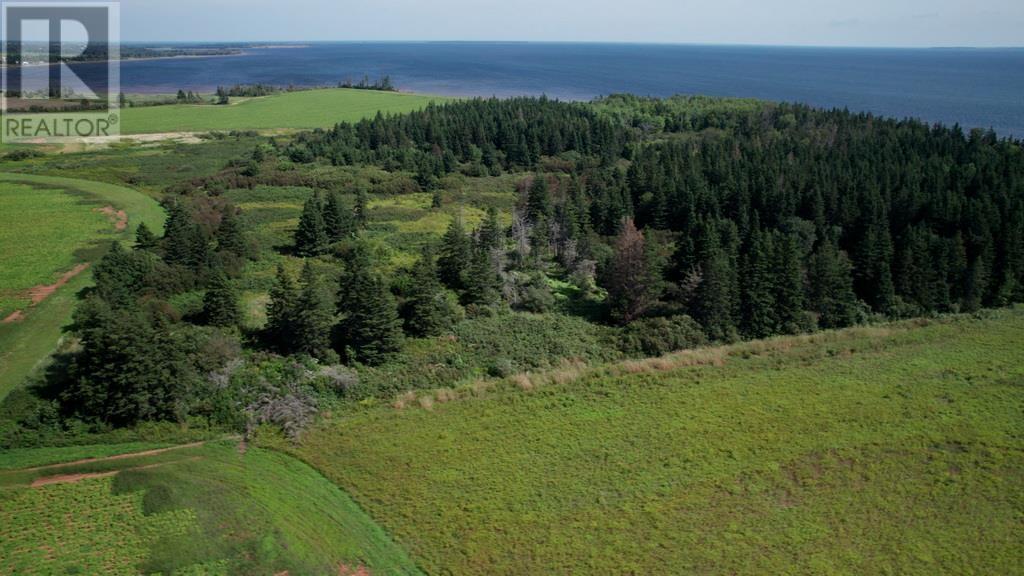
column 884, row 23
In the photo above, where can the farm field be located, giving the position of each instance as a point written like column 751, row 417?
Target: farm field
column 50, row 227
column 294, row 110
column 895, row 449
column 200, row 510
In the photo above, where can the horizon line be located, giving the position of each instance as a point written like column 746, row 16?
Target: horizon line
column 617, row 42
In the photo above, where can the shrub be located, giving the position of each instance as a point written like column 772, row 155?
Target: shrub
column 659, row 336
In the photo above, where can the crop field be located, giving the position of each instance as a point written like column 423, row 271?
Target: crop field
column 887, row 450
column 294, row 110
column 200, row 510
column 49, row 227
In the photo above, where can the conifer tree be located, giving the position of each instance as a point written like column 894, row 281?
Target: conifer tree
column 311, row 236
column 229, row 234
column 714, row 302
column 314, row 317
column 455, row 255
column 357, row 268
column 199, row 249
column 220, row 304
column 361, row 211
column 538, row 200
column 372, row 329
column 427, row 311
column 789, row 285
column 120, row 275
column 831, row 282
column 145, row 239
column 338, row 219
column 281, row 312
column 633, row 285
column 490, row 231
column 178, row 234
column 130, row 368
column 758, row 304
column 481, row 283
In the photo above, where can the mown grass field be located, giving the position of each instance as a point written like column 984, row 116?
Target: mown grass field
column 201, row 510
column 47, row 226
column 43, row 230
column 293, row 110
column 889, row 450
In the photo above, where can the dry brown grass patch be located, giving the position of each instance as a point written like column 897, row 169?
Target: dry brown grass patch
column 404, row 400
column 523, row 381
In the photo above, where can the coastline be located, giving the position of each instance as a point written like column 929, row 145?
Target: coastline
column 3, row 65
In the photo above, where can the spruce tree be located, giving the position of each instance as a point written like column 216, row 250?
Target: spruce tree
column 633, row 286
column 199, row 249
column 314, row 317
column 372, row 329
column 220, row 304
column 427, row 311
column 490, row 231
column 714, row 303
column 282, row 311
column 120, row 275
column 145, row 239
column 831, row 283
column 481, row 284
column 357, row 268
column 789, row 284
column 311, row 236
column 758, row 304
column 455, row 255
column 361, row 211
column 178, row 234
column 229, row 234
column 538, row 200
column 338, row 219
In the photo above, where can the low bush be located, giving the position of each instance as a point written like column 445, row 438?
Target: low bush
column 659, row 336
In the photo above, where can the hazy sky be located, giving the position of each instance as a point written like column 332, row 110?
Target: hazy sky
column 789, row 22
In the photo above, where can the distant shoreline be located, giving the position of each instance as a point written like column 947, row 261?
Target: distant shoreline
column 3, row 65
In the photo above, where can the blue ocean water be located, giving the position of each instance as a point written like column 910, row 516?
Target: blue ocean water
column 973, row 87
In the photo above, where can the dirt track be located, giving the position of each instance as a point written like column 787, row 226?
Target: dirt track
column 114, row 458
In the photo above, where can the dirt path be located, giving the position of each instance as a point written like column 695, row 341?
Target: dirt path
column 40, row 293
column 119, row 218
column 16, row 316
column 117, row 457
column 73, row 478
column 70, row 478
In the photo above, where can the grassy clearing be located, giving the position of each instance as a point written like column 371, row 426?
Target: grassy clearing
column 884, row 450
column 200, row 510
column 294, row 110
column 147, row 168
column 49, row 228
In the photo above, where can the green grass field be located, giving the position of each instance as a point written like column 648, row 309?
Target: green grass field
column 43, row 230
column 201, row 510
column 293, row 110
column 888, row 450
column 47, row 226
